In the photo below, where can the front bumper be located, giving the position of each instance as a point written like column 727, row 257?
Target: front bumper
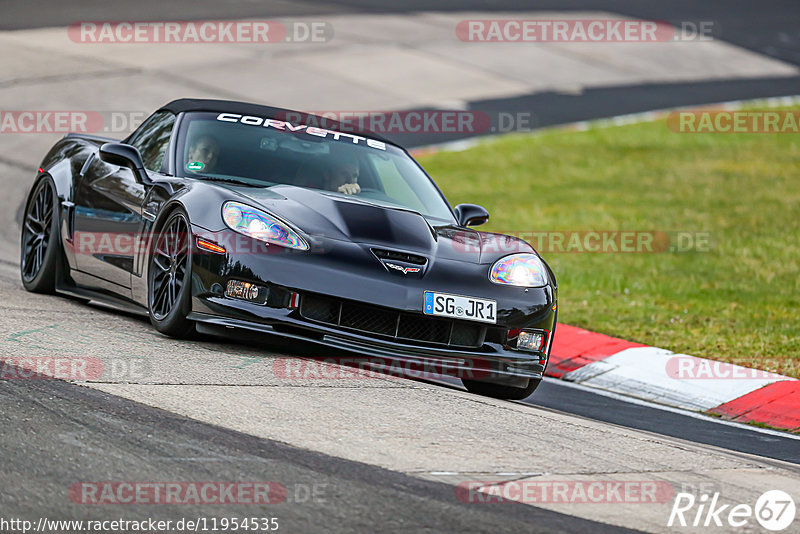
column 346, row 272
column 491, row 363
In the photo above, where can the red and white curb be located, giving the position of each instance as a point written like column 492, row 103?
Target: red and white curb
column 677, row 380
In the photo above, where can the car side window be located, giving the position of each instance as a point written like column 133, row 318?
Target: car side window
column 152, row 139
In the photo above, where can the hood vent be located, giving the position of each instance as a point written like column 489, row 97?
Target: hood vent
column 393, row 255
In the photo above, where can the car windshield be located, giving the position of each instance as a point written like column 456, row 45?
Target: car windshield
column 259, row 152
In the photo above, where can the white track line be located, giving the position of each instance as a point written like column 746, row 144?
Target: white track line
column 608, row 122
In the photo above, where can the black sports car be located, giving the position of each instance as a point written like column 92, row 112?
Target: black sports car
column 227, row 218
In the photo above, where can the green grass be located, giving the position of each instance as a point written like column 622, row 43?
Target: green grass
column 738, row 302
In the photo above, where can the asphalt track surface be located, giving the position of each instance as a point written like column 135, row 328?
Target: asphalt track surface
column 87, row 435
column 768, row 27
column 597, row 103
column 53, row 432
column 566, row 398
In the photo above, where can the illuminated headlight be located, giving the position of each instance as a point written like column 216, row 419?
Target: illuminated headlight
column 533, row 341
column 524, row 270
column 260, row 225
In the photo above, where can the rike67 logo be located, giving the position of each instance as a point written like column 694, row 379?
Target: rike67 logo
column 774, row 510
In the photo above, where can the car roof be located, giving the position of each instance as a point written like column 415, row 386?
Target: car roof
column 245, row 108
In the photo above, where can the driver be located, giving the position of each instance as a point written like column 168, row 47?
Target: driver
column 205, row 150
column 341, row 175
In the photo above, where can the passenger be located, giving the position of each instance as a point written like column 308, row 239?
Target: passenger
column 205, row 150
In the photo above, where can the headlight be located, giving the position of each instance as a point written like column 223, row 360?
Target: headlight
column 524, row 270
column 260, row 225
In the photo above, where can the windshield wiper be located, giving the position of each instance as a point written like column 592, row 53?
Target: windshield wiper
column 226, row 180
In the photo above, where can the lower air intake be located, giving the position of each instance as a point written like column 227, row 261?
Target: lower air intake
column 383, row 322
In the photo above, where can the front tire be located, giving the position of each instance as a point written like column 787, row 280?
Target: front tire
column 487, row 389
column 39, row 242
column 169, row 294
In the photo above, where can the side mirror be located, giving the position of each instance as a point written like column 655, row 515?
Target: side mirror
column 123, row 155
column 471, row 214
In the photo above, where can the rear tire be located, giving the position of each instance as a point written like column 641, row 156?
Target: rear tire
column 488, row 389
column 39, row 240
column 169, row 288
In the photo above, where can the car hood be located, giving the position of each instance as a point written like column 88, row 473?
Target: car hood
column 348, row 219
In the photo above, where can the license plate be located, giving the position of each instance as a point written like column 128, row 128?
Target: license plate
column 458, row 307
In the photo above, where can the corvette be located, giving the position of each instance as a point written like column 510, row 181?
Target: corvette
column 222, row 218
